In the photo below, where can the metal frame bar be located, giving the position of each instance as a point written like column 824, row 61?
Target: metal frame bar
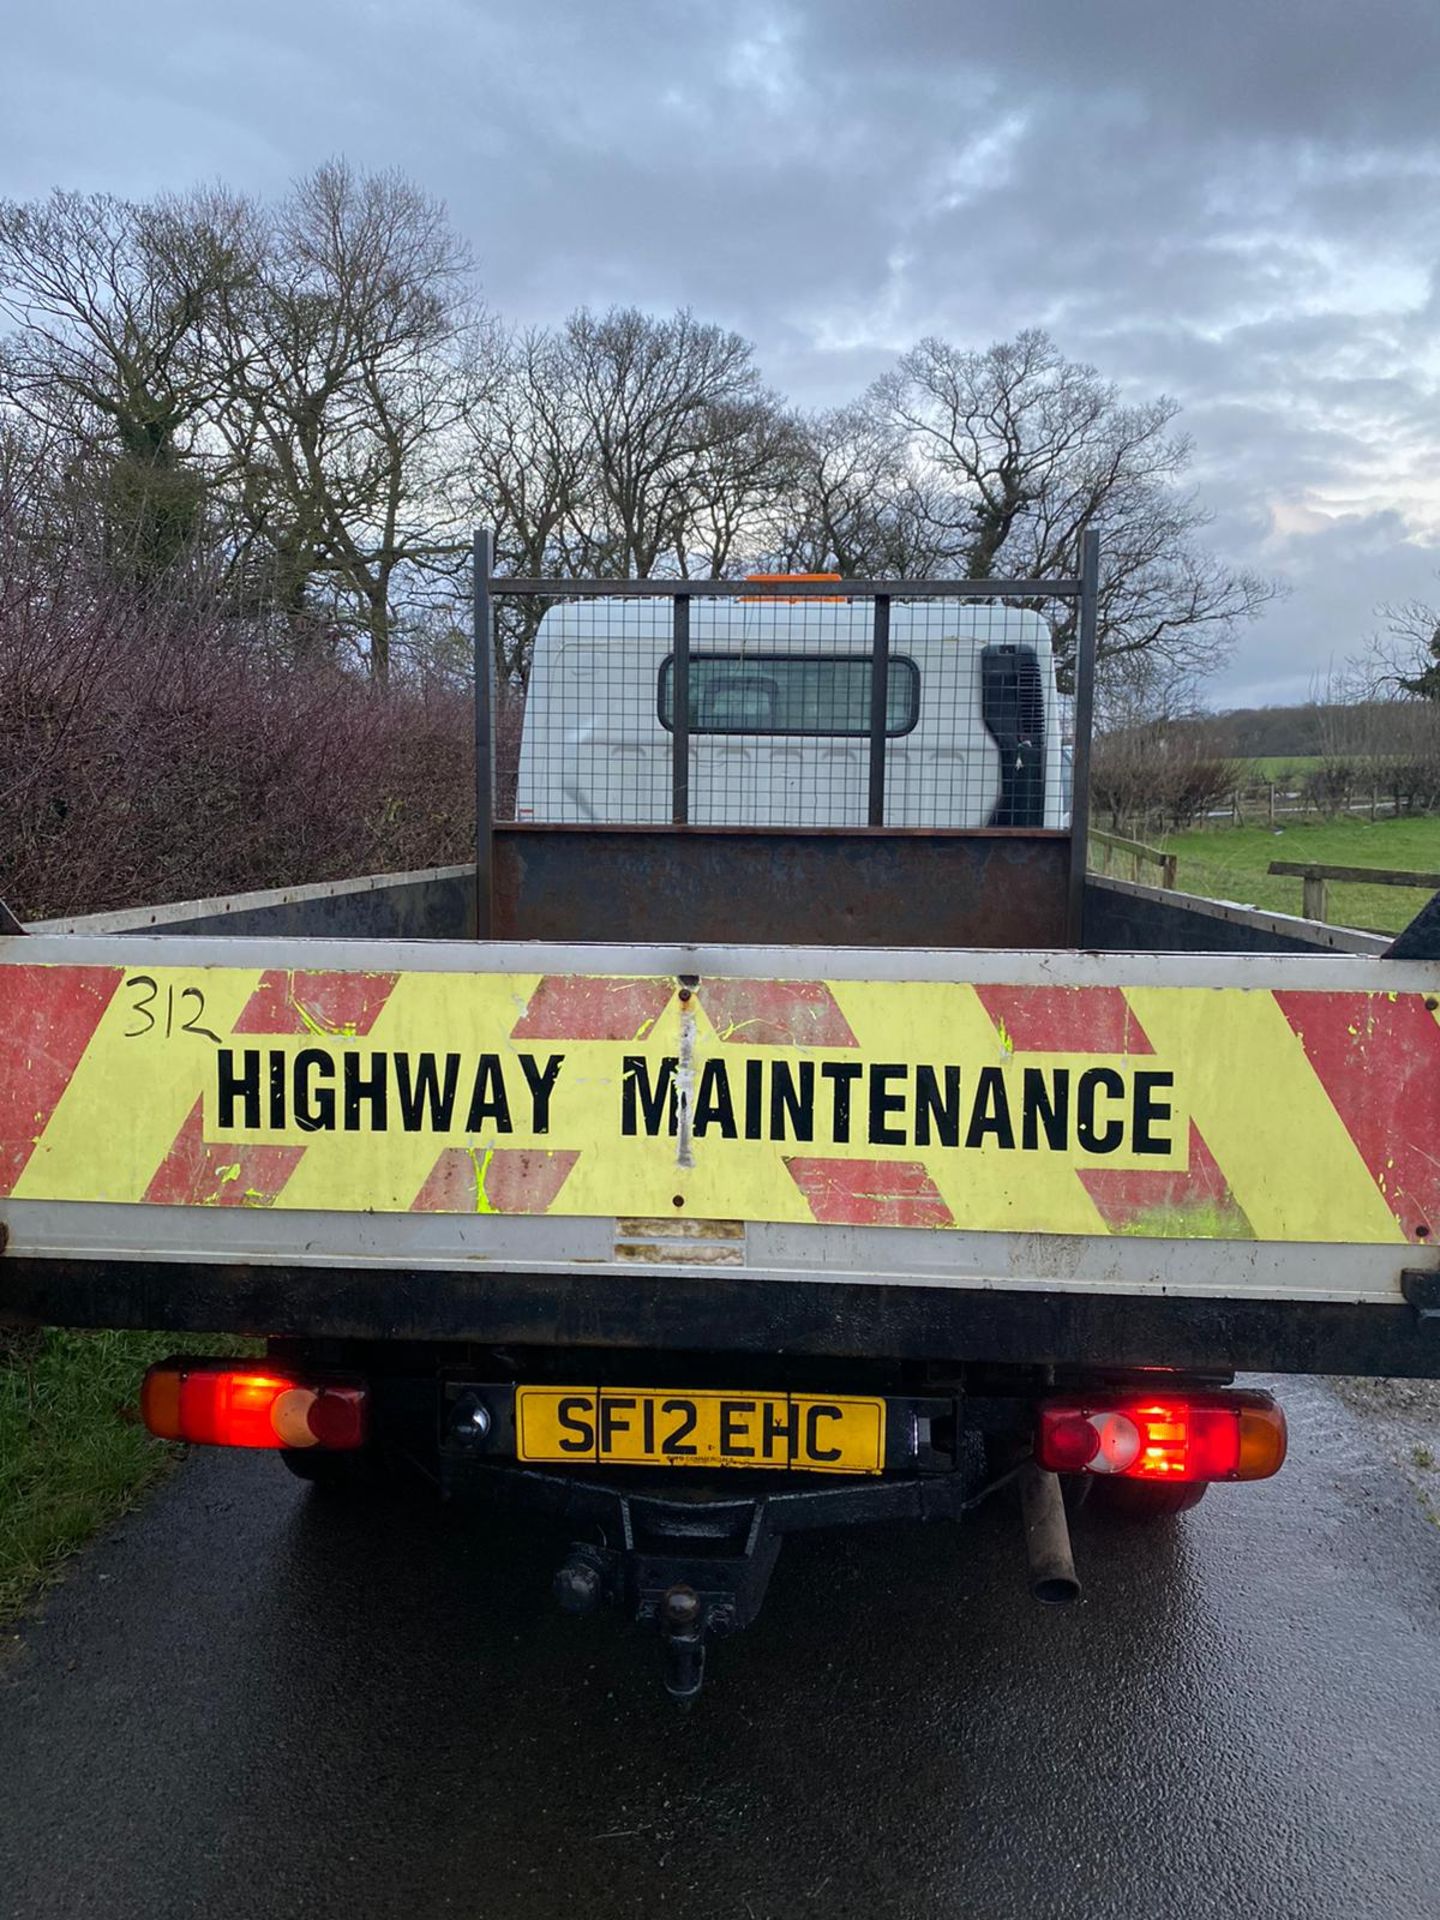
column 1321, row 970
column 879, row 708
column 1063, row 589
column 680, row 715
column 484, row 637
column 1085, row 645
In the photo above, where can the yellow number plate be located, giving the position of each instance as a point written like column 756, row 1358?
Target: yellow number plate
column 656, row 1427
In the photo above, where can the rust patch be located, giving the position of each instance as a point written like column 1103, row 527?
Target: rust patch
column 706, row 1243
column 679, row 1228
column 693, row 1253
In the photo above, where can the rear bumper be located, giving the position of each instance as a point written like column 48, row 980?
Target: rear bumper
column 649, row 1312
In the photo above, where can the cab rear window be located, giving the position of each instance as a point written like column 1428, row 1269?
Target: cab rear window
column 795, row 693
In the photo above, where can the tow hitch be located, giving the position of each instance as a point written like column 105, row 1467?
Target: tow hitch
column 697, row 1570
column 689, row 1584
column 696, row 1566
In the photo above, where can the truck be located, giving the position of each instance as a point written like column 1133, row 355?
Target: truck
column 777, row 1127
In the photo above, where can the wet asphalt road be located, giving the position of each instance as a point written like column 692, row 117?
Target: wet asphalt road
column 242, row 1703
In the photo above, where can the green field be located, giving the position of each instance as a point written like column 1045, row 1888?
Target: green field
column 1281, row 767
column 1229, row 863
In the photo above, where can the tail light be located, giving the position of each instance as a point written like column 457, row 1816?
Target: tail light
column 221, row 1403
column 1172, row 1436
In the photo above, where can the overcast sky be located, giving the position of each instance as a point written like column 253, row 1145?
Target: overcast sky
column 1233, row 201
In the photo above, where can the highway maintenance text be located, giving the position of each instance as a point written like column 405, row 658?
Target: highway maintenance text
column 1056, row 1106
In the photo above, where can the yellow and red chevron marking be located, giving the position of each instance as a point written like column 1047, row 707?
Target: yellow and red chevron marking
column 299, row 1002
column 48, row 1017
column 494, row 1180
column 842, row 1192
column 1101, row 1020
column 583, row 1007
column 197, row 1172
column 776, row 1013
column 1166, row 1111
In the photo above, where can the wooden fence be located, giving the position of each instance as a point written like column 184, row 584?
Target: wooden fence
column 1317, row 880
column 1269, row 803
column 1112, row 846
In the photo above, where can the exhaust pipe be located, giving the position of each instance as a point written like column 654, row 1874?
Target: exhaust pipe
column 1047, row 1537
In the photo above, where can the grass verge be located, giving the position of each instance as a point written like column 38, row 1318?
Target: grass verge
column 73, row 1453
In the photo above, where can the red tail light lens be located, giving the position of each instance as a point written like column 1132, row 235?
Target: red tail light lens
column 219, row 1403
column 1191, row 1436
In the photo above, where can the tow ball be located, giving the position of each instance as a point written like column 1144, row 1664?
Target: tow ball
column 682, row 1634
column 688, row 1594
column 584, row 1582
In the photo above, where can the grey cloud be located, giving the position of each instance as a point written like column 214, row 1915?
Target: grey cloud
column 1234, row 203
column 1319, row 69
column 1341, row 577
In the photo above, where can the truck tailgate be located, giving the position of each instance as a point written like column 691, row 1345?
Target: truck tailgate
column 1201, row 1126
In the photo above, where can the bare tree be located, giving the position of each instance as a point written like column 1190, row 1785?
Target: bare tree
column 1160, row 761
column 348, row 359
column 856, row 505
column 110, row 300
column 533, row 477
column 623, row 445
column 1404, row 657
column 1379, row 716
column 749, row 469
column 1022, row 450
column 314, row 392
column 534, row 463
column 664, row 404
